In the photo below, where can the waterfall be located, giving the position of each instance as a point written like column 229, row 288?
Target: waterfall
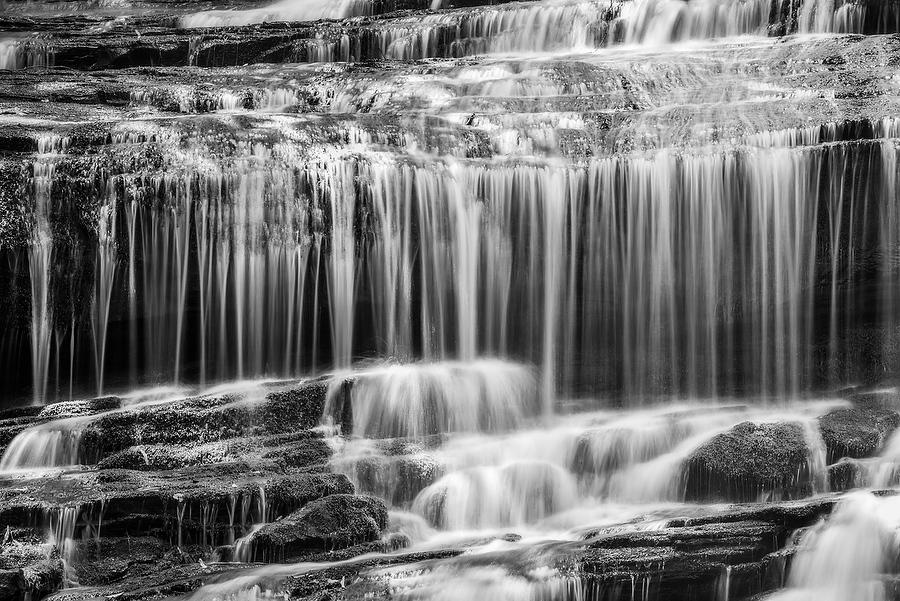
column 531, row 300
column 283, row 250
column 40, row 258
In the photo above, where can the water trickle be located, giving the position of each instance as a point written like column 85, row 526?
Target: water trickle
column 61, row 535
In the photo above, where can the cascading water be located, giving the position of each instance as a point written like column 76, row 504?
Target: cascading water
column 537, row 300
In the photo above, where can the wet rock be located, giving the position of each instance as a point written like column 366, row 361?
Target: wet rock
column 857, row 432
column 332, row 522
column 43, row 577
column 691, row 556
column 79, row 408
column 140, row 501
column 206, row 419
column 113, row 559
column 12, row 584
column 302, row 450
column 398, row 479
column 748, row 462
column 176, row 575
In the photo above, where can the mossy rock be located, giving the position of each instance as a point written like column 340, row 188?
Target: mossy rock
column 79, row 408
column 857, row 432
column 334, row 522
column 202, row 420
column 749, row 462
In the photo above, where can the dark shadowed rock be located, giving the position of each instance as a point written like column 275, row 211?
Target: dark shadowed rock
column 12, row 584
column 857, row 432
column 749, row 461
column 44, row 576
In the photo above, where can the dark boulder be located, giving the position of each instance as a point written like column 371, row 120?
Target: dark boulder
column 749, row 462
column 201, row 420
column 857, row 432
column 333, row 522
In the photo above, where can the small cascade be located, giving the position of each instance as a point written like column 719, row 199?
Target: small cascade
column 415, row 401
column 23, row 52
column 724, row 586
column 61, row 535
column 244, row 548
column 52, row 445
column 846, row 556
column 817, row 460
column 838, row 16
column 254, row 515
column 654, row 22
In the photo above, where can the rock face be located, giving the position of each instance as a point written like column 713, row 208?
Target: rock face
column 857, row 432
column 748, row 462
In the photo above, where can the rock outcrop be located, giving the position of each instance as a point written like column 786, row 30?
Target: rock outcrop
column 749, row 462
column 857, row 432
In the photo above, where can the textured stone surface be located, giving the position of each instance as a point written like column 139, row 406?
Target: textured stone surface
column 748, row 462
column 857, row 432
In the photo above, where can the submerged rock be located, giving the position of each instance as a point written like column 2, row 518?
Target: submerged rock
column 857, row 432
column 748, row 462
